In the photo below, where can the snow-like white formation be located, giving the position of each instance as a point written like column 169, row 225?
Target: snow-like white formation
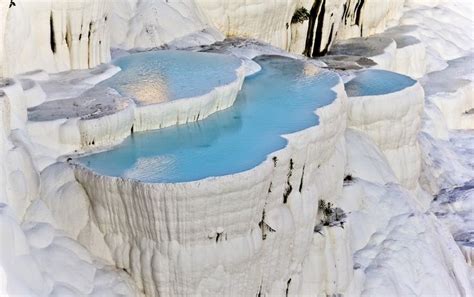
column 102, row 117
column 393, row 121
column 53, row 35
column 394, row 242
column 36, row 256
column 204, row 237
column 78, row 133
column 52, row 228
column 58, row 35
column 327, row 21
column 153, row 23
column 455, row 97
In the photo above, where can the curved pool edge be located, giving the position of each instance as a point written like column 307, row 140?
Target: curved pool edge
column 76, row 135
column 332, row 121
column 392, row 121
column 190, row 109
column 297, row 138
column 184, row 215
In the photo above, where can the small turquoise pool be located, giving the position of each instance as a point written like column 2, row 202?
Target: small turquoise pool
column 377, row 82
column 159, row 76
column 280, row 99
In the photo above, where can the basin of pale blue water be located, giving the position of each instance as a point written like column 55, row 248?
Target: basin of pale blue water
column 377, row 82
column 158, row 76
column 280, row 99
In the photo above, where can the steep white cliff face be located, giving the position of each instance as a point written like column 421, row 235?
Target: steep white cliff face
column 54, row 35
column 58, row 35
column 328, row 20
column 153, row 23
column 264, row 20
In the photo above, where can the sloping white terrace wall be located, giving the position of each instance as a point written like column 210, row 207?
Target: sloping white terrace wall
column 76, row 134
column 393, row 121
column 185, row 238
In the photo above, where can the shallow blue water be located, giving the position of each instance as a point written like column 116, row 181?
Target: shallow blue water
column 377, row 82
column 280, row 99
column 175, row 74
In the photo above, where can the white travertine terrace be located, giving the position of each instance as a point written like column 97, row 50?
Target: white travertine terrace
column 53, row 35
column 166, row 261
column 393, row 122
column 395, row 50
column 270, row 21
column 54, row 232
column 58, row 35
column 77, row 132
column 184, row 110
column 39, row 254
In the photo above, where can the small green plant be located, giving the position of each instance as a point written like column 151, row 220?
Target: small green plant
column 300, row 15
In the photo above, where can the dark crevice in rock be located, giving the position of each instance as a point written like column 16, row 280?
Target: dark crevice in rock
column 326, row 48
column 301, row 181
column 68, row 37
column 288, row 287
column 264, row 227
column 344, row 14
column 313, row 14
column 289, row 187
column 89, row 43
column 51, row 34
column 358, row 10
column 319, row 31
column 259, row 294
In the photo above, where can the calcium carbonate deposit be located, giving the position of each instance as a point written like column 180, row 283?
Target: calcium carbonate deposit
column 280, row 99
column 236, row 148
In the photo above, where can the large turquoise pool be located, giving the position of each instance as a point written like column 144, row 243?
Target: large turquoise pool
column 160, row 76
column 377, row 82
column 280, row 99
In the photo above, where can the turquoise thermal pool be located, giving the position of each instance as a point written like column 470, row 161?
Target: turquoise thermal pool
column 377, row 82
column 160, row 76
column 280, row 99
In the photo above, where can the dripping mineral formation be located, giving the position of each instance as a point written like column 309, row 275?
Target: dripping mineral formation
column 236, row 148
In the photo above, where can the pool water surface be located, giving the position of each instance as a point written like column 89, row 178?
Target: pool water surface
column 377, row 82
column 161, row 76
column 280, row 99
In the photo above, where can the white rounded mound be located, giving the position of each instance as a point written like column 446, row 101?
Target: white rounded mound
column 391, row 119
